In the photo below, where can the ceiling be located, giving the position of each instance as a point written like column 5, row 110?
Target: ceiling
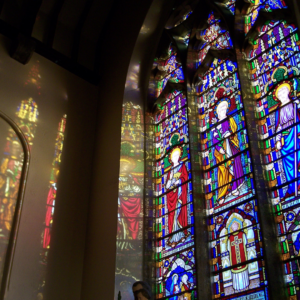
column 68, row 32
column 76, row 34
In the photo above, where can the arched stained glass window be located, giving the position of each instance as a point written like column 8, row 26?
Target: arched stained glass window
column 238, row 214
column 12, row 162
column 172, row 187
column 235, row 236
column 274, row 72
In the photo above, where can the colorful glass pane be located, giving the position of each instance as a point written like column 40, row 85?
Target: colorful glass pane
column 256, row 6
column 274, row 69
column 11, row 168
column 171, row 124
column 212, row 38
column 169, row 70
column 235, row 237
column 176, row 274
column 170, row 107
column 170, row 175
column 50, row 206
column 164, row 145
column 236, row 240
column 130, row 208
column 230, row 4
column 172, row 187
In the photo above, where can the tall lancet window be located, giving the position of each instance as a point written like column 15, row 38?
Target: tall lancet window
column 172, row 186
column 274, row 71
column 231, row 204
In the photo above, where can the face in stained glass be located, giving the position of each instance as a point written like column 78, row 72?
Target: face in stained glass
column 174, row 170
column 280, row 152
column 165, row 144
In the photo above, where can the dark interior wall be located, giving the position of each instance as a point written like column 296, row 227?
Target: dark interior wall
column 119, row 39
column 131, row 253
column 81, row 263
column 61, row 93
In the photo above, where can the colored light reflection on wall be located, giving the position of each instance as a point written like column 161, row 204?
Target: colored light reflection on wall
column 11, row 168
column 130, row 204
column 50, row 202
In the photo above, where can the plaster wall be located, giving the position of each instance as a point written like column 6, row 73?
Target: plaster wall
column 61, row 93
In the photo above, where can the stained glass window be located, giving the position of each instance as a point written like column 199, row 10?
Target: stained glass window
column 237, row 259
column 274, row 69
column 172, row 191
column 131, row 176
column 239, row 265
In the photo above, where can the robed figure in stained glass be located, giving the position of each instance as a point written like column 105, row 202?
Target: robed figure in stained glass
column 174, row 286
column 177, row 198
column 236, row 246
column 185, row 285
column 227, row 146
column 287, row 139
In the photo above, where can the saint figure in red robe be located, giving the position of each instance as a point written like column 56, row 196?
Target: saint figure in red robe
column 177, row 198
